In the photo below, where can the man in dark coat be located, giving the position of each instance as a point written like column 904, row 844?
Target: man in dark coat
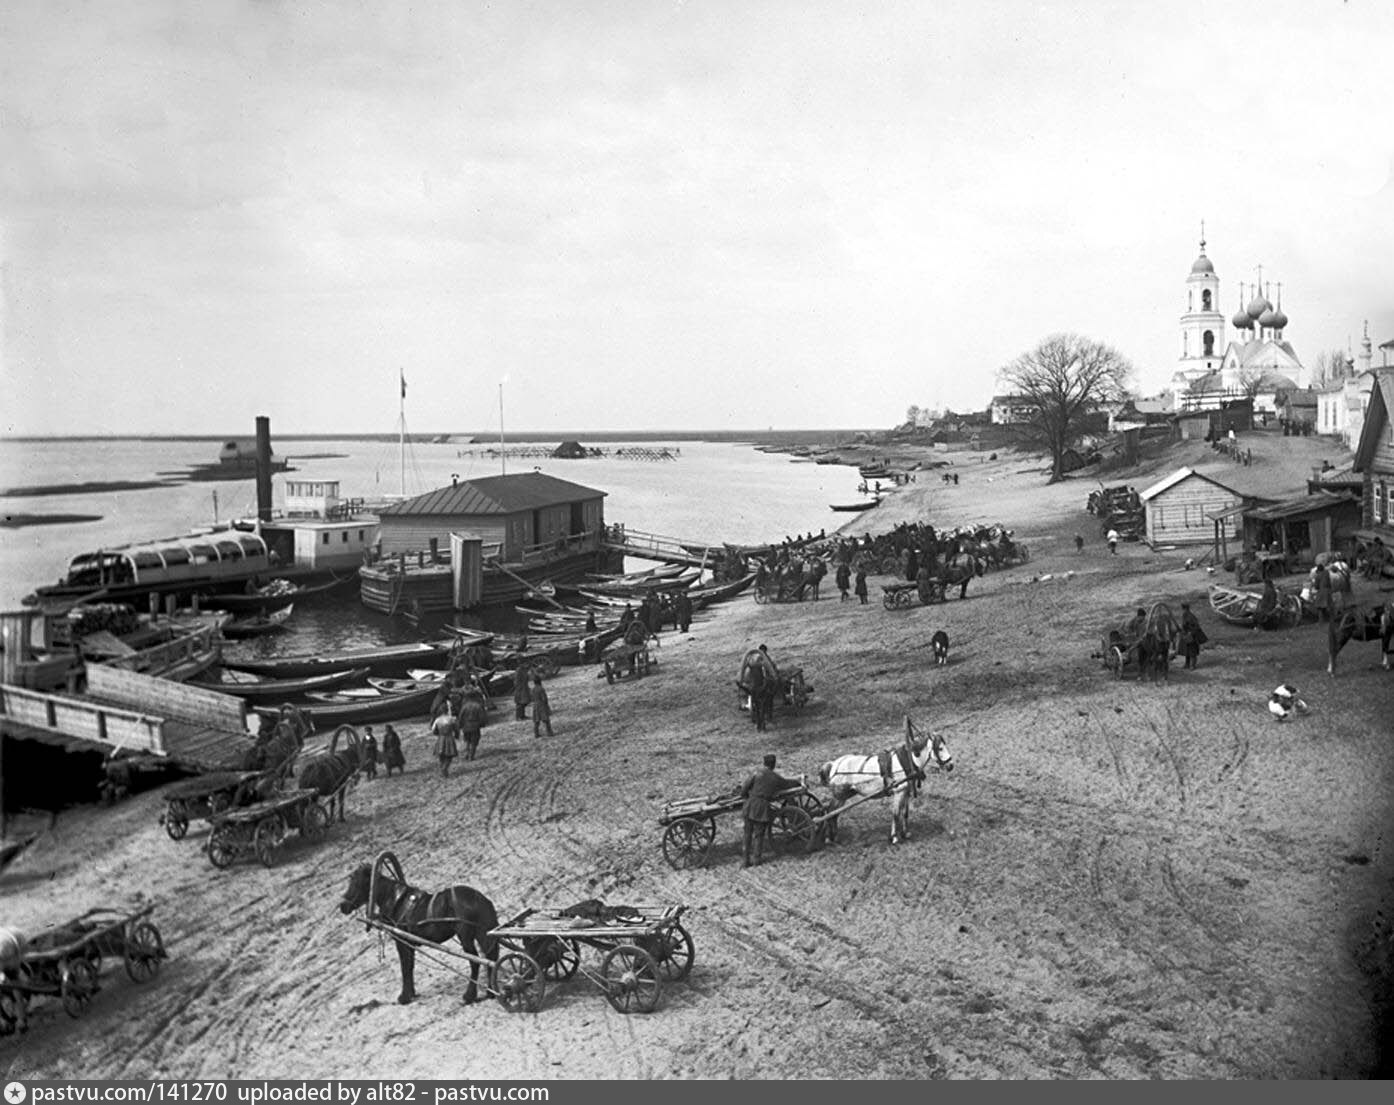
column 759, row 818
column 1192, row 636
column 392, row 752
column 844, row 579
column 522, row 693
column 470, row 721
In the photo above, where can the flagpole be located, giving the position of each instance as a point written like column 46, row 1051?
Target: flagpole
column 402, row 430
column 503, row 450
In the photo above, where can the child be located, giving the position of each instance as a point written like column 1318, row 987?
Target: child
column 392, row 752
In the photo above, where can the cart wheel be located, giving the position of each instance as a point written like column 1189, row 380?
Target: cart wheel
column 545, row 667
column 565, row 958
column 314, row 822
column 673, row 952
column 177, row 821
column 270, row 834
column 14, row 1004
column 1116, row 660
column 144, row 950
column 688, row 842
column 222, row 846
column 809, row 803
column 792, row 831
column 631, row 979
column 519, row 983
column 760, row 597
column 890, row 600
column 78, row 984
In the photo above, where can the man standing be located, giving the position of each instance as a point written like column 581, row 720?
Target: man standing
column 446, row 748
column 541, row 708
column 844, row 579
column 471, row 721
column 1192, row 636
column 684, row 612
column 861, row 586
column 757, row 792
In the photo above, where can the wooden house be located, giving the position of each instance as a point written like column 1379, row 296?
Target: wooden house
column 1374, row 461
column 1180, row 509
column 516, row 532
column 1303, row 526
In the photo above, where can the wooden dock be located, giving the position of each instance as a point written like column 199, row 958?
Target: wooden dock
column 669, row 550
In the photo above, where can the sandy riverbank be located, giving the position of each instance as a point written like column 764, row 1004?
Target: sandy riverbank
column 1119, row 880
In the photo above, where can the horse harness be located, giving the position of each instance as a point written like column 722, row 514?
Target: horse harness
column 886, row 760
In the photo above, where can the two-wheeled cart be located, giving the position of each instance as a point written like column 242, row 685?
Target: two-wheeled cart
column 66, row 962
column 641, row 949
column 689, row 824
column 263, row 827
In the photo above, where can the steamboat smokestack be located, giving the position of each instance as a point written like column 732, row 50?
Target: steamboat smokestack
column 263, row 468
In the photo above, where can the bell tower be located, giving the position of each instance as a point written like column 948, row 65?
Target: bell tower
column 1202, row 323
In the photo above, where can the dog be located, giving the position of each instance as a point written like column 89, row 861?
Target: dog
column 940, row 644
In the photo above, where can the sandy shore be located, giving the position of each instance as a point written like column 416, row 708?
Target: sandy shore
column 1118, row 880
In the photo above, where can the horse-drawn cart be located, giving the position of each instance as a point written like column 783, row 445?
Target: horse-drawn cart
column 1145, row 644
column 205, row 796
column 261, row 828
column 622, row 660
column 641, row 947
column 66, row 962
column 902, row 596
column 689, row 824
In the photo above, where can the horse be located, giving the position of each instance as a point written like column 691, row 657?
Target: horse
column 886, row 773
column 963, row 573
column 327, row 772
column 1370, row 624
column 457, row 911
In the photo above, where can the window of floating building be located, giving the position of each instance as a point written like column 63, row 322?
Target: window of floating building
column 203, row 554
column 344, row 537
column 1209, row 338
column 360, row 537
column 324, row 538
column 1205, row 300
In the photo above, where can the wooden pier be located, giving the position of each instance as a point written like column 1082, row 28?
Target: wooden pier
column 669, row 550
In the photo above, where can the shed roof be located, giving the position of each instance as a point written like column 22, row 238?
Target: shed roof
column 495, row 495
column 1320, row 503
column 1176, row 477
column 1376, row 418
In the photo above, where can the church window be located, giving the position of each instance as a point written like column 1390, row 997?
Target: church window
column 1190, row 301
column 1185, row 345
column 1209, row 338
column 1205, row 300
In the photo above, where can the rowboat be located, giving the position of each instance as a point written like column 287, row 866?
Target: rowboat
column 379, row 661
column 1241, row 607
column 330, row 710
column 257, row 625
column 715, row 592
column 264, row 690
column 854, row 508
column 276, row 593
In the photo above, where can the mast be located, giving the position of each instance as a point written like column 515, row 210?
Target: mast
column 503, row 451
column 402, row 432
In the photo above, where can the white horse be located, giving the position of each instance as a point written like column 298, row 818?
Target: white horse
column 853, row 775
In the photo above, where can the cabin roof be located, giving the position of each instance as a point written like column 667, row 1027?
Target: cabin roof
column 1177, row 477
column 1321, row 502
column 495, row 495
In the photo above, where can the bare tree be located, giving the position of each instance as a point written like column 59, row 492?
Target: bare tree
column 1330, row 366
column 1250, row 381
column 912, row 416
column 1064, row 379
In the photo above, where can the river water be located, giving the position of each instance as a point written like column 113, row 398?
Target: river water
column 716, row 492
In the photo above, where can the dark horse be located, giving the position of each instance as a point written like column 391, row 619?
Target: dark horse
column 457, row 911
column 1374, row 623
column 327, row 772
column 962, row 570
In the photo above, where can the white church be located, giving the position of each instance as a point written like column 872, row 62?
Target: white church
column 1258, row 362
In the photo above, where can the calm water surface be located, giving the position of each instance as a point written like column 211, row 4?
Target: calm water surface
column 713, row 492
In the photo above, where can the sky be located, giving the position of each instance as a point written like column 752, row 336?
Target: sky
column 657, row 215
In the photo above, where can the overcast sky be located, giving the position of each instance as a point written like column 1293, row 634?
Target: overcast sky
column 655, row 215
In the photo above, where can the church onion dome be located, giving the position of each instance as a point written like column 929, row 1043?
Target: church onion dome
column 1280, row 320
column 1241, row 320
column 1258, row 306
column 1202, row 264
column 1268, row 319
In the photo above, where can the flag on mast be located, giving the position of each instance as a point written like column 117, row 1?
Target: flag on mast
column 403, row 374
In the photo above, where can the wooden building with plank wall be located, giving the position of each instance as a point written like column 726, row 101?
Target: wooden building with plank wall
column 1181, row 509
column 1374, row 461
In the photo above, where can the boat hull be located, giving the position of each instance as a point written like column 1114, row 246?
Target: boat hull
column 390, row 707
column 392, row 660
